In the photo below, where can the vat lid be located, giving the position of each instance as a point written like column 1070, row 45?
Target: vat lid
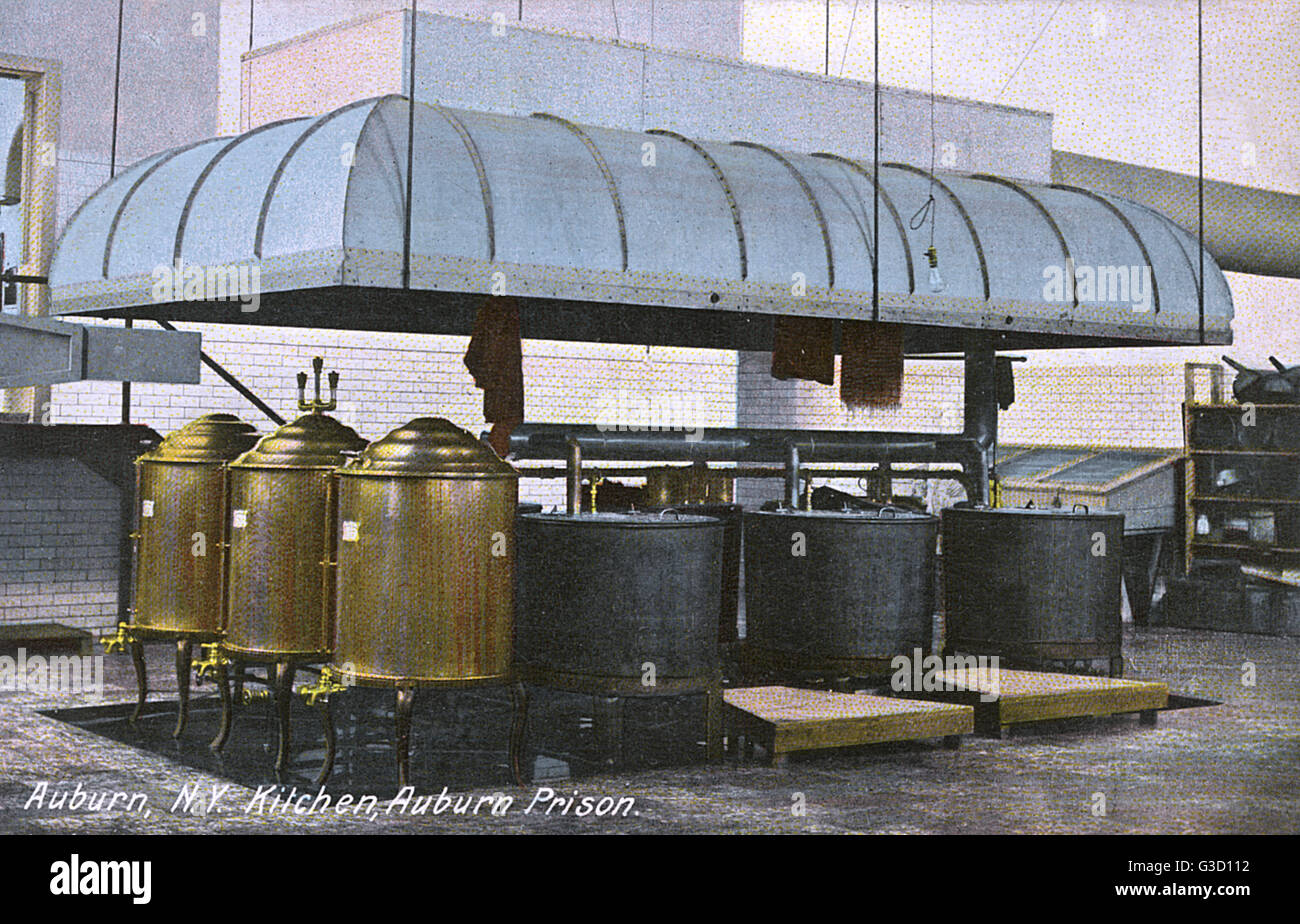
column 312, row 441
column 1077, row 510
column 430, row 446
column 623, row 518
column 883, row 515
column 210, row 438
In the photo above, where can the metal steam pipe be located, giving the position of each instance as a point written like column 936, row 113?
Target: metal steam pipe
column 973, row 448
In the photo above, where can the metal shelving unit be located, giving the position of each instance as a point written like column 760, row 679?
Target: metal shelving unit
column 1242, row 501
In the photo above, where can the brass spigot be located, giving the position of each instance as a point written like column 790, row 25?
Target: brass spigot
column 317, row 405
column 595, row 483
column 325, row 685
column 211, row 658
column 119, row 640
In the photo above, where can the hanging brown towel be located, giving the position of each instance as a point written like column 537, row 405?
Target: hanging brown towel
column 871, row 374
column 495, row 358
column 804, row 348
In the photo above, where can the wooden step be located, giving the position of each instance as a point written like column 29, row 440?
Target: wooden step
column 787, row 719
column 45, row 638
column 1034, row 696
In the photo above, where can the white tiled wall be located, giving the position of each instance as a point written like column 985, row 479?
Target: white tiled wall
column 387, row 379
column 58, row 544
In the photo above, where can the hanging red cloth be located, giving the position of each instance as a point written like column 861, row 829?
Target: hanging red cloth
column 803, row 348
column 496, row 360
column 871, row 372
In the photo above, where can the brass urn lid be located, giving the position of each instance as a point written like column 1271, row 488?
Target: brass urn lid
column 312, row 441
column 210, row 438
column 431, row 447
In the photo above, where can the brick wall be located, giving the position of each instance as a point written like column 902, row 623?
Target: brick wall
column 1138, row 406
column 58, row 544
column 932, row 402
column 386, row 379
column 1089, row 405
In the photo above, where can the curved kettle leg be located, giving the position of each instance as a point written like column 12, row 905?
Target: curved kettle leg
column 184, row 659
column 518, row 730
column 327, row 720
column 402, row 720
column 227, row 707
column 141, row 679
column 283, row 673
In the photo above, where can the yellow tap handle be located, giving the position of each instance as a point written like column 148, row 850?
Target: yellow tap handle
column 118, row 640
column 322, row 688
column 211, row 657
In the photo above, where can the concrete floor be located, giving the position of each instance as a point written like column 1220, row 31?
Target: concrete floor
column 1230, row 768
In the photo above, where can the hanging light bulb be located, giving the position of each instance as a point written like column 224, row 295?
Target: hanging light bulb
column 937, row 284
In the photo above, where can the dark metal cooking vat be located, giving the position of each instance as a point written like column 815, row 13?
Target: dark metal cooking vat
column 836, row 589
column 732, row 518
column 1033, row 583
column 619, row 595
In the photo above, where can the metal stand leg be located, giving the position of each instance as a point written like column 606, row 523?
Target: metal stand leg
column 518, row 730
column 141, row 679
column 713, row 724
column 238, row 696
column 731, row 734
column 283, row 673
column 402, row 719
column 1117, row 666
column 184, row 658
column 227, row 706
column 318, row 696
column 327, row 720
column 609, row 728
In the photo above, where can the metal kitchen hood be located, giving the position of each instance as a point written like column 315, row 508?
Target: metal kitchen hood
column 615, row 236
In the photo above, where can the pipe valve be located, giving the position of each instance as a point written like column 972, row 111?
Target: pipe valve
column 211, row 658
column 327, row 684
column 119, row 640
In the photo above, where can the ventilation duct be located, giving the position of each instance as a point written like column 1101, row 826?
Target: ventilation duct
column 1247, row 230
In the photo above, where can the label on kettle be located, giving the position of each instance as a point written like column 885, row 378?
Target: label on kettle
column 239, row 518
column 146, row 508
column 350, row 531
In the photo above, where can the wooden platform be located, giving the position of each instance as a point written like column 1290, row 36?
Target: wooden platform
column 45, row 638
column 786, row 719
column 1033, row 696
